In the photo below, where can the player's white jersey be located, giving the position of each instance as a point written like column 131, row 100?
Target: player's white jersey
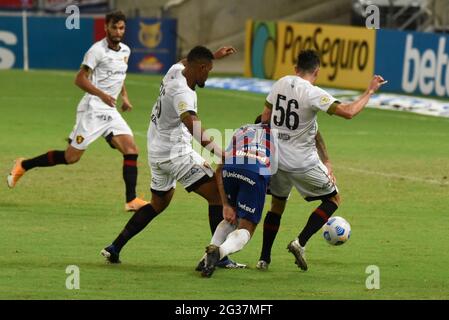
column 108, row 73
column 168, row 137
column 296, row 103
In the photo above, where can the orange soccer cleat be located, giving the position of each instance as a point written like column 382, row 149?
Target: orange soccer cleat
column 16, row 173
column 135, row 204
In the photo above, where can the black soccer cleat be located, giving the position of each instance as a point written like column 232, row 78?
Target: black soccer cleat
column 111, row 255
column 200, row 265
column 212, row 257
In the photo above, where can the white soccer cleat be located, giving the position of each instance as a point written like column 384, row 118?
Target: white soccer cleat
column 299, row 253
column 262, row 265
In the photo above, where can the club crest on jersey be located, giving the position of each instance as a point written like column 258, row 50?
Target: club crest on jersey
column 79, row 139
column 324, row 100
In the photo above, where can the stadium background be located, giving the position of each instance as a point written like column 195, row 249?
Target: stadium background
column 392, row 167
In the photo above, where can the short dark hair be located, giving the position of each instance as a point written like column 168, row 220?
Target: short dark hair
column 200, row 53
column 115, row 17
column 308, row 60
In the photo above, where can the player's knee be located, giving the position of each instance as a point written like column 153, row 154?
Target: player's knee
column 72, row 158
column 131, row 149
column 336, row 199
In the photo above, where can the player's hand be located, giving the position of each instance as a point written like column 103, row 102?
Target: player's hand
column 229, row 214
column 376, row 83
column 330, row 172
column 109, row 100
column 224, row 52
column 126, row 106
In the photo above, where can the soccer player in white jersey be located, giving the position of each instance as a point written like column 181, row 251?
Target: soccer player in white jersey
column 291, row 107
column 101, row 76
column 171, row 157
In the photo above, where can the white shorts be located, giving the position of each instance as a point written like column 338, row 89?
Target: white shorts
column 90, row 125
column 187, row 169
column 313, row 184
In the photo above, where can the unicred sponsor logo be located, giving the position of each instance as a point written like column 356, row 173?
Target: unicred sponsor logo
column 428, row 69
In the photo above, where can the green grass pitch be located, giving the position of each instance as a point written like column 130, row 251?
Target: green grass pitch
column 392, row 170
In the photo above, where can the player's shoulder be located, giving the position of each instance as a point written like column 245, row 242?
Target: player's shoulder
column 176, row 82
column 124, row 48
column 98, row 47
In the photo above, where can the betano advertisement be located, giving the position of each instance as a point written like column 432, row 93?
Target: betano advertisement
column 414, row 62
column 347, row 53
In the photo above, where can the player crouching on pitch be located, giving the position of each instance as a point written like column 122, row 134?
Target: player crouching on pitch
column 242, row 181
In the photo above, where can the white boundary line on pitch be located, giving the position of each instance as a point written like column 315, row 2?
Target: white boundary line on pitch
column 395, row 176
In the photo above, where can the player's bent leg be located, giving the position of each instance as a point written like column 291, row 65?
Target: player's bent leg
column 271, row 225
column 235, row 242
column 126, row 145
column 140, row 219
column 318, row 218
column 207, row 188
column 49, row 159
column 161, row 199
column 316, row 221
column 73, row 155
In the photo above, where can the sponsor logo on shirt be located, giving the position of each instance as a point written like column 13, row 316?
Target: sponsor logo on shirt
column 182, row 106
column 246, row 208
column 324, row 100
column 283, row 136
column 235, row 175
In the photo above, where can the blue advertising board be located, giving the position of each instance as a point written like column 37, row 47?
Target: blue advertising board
column 413, row 62
column 152, row 43
column 53, row 46
column 50, row 44
column 11, row 43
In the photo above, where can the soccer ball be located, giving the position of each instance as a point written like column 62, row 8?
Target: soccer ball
column 336, row 231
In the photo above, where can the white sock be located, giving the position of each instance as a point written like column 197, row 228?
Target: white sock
column 223, row 229
column 235, row 241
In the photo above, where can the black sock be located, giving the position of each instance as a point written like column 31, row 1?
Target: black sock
column 130, row 175
column 316, row 220
column 49, row 159
column 215, row 217
column 270, row 229
column 137, row 223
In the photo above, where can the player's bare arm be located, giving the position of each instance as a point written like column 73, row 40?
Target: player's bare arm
column 189, row 118
column 126, row 105
column 224, row 52
column 324, row 156
column 229, row 213
column 266, row 114
column 350, row 110
column 82, row 81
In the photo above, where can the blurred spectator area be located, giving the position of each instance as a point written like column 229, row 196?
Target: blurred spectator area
column 214, row 23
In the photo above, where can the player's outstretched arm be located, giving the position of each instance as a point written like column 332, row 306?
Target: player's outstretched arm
column 224, row 52
column 350, row 110
column 82, row 81
column 193, row 124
